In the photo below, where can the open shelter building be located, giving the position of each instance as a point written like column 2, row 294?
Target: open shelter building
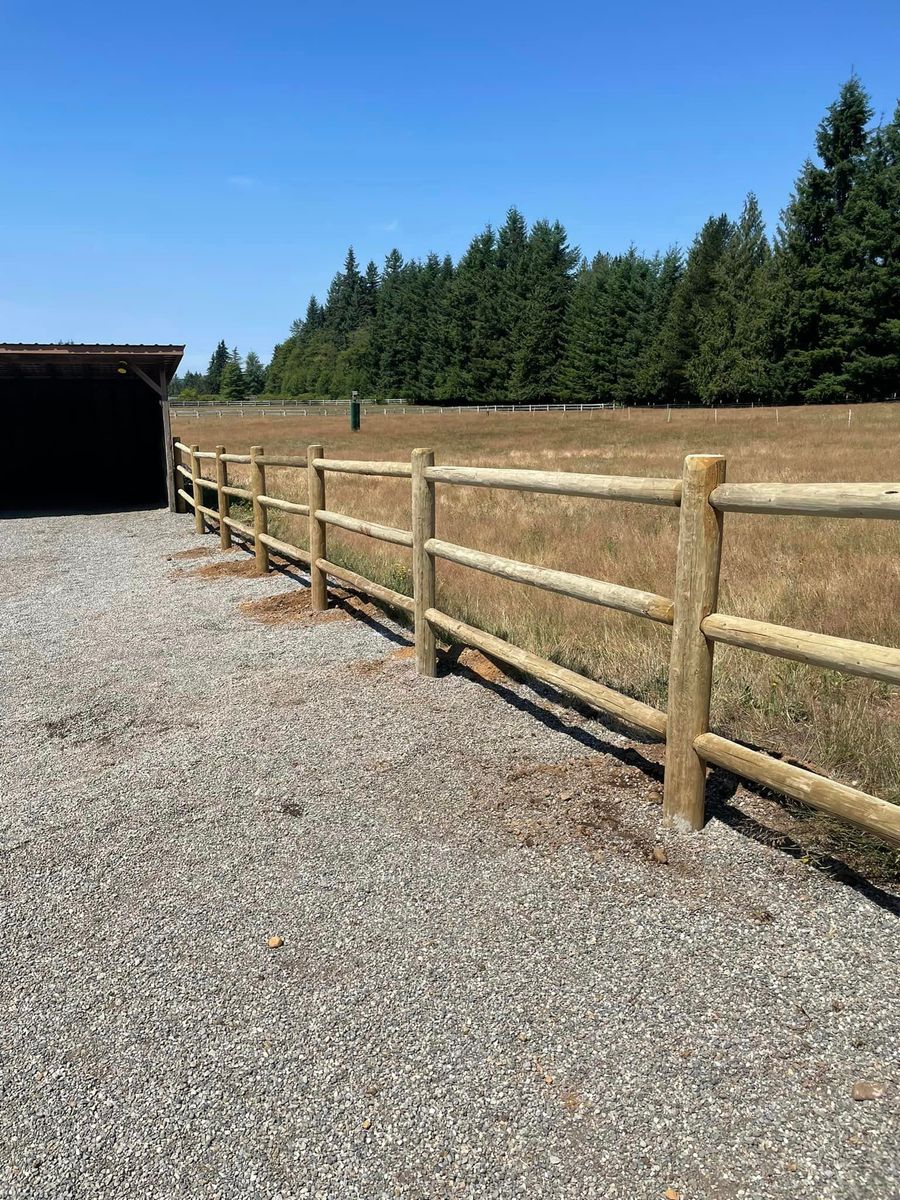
column 88, row 426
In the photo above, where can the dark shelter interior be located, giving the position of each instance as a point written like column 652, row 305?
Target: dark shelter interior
column 86, row 427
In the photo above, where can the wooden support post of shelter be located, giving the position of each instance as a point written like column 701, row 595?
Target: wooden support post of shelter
column 162, row 389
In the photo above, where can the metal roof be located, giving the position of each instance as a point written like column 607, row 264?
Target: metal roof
column 70, row 360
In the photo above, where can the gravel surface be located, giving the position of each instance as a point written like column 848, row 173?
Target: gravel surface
column 488, row 985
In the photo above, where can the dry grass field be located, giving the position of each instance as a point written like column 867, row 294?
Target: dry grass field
column 835, row 576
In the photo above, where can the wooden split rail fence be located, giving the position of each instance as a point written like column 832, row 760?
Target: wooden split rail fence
column 702, row 496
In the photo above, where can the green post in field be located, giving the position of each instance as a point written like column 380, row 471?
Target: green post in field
column 354, row 412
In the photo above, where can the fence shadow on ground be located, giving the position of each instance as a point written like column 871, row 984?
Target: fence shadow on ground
column 722, row 785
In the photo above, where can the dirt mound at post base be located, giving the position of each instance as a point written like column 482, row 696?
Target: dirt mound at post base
column 287, row 607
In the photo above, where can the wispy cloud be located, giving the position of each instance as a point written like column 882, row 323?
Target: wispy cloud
column 244, row 183
column 392, row 226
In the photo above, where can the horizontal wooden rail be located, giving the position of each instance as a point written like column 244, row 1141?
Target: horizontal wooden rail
column 881, row 500
column 212, row 513
column 384, row 533
column 281, row 460
column 348, row 466
column 184, row 471
column 244, row 529
column 186, row 496
column 288, row 549
column 869, row 812
column 239, row 492
column 587, row 690
column 236, row 458
column 183, row 447
column 287, row 506
column 579, row 587
column 563, row 483
column 207, row 483
column 385, row 594
column 205, row 454
column 817, row 649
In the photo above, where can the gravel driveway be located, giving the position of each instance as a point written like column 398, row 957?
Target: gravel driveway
column 488, row 985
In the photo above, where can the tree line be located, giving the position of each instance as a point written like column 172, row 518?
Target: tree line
column 811, row 316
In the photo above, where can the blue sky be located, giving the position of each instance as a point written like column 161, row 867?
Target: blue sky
column 189, row 172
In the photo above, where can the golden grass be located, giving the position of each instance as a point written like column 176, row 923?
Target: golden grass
column 838, row 577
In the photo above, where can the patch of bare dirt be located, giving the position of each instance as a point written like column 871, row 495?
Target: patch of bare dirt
column 289, row 607
column 241, row 568
column 589, row 802
column 483, row 667
column 370, row 667
column 197, row 552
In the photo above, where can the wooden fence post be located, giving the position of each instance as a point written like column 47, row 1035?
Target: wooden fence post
column 224, row 500
column 422, row 561
column 690, row 669
column 260, row 515
column 317, row 539
column 178, row 460
column 197, row 490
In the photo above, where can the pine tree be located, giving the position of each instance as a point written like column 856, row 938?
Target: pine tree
column 512, row 289
column 217, row 365
column 390, row 348
column 669, row 361
column 369, row 292
column 580, row 365
column 612, row 323
column 540, row 334
column 817, row 288
column 667, row 273
column 315, row 316
column 254, row 374
column 434, row 279
column 872, row 238
column 345, row 303
column 474, row 369
column 732, row 359
column 233, row 389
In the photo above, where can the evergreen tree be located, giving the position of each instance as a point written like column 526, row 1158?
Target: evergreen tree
column 195, row 380
column 540, row 331
column 217, row 365
column 369, row 293
column 391, row 344
column 817, row 287
column 732, row 359
column 582, row 358
column 345, row 304
column 872, row 239
column 315, row 316
column 254, row 375
column 612, row 323
column 667, row 374
column 233, row 388
column 474, row 368
column 434, row 283
column 667, row 274
column 512, row 291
